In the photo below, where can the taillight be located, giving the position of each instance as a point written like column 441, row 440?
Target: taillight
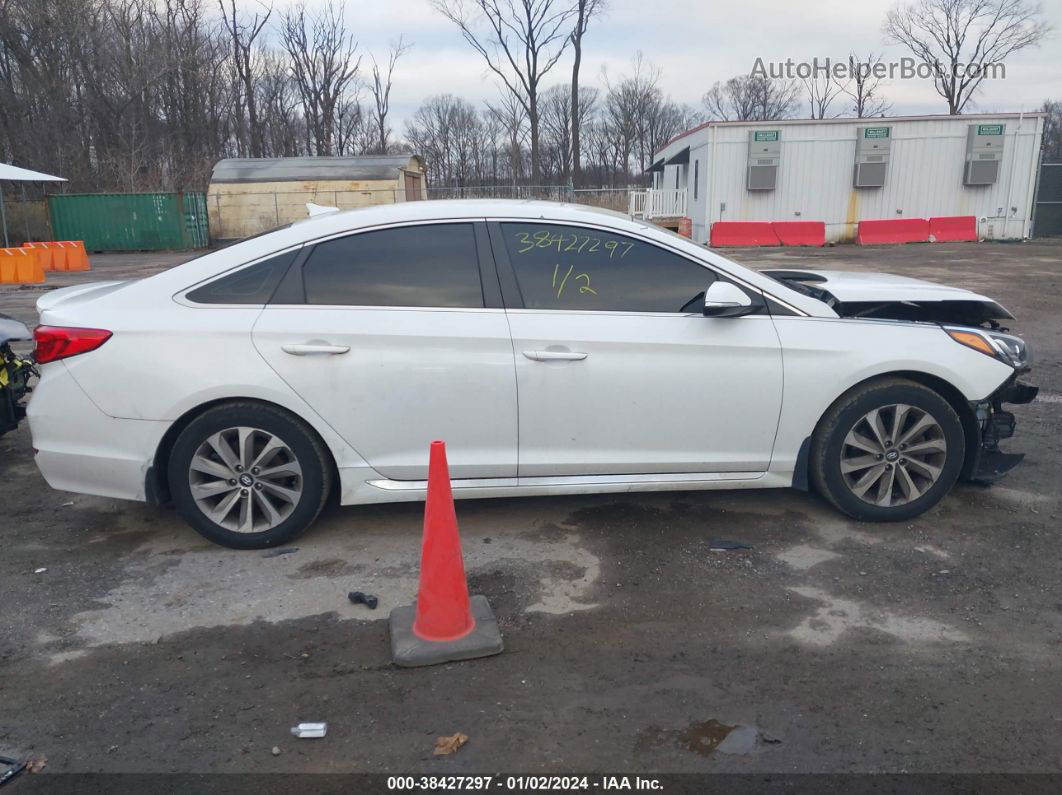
column 59, row 342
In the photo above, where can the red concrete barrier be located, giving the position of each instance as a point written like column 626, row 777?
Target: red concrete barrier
column 906, row 230
column 800, row 233
column 953, row 229
column 743, row 233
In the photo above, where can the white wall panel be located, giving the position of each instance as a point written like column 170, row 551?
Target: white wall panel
column 924, row 177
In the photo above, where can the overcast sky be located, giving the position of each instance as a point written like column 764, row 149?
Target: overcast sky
column 694, row 43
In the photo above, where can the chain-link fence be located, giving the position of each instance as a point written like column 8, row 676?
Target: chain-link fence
column 237, row 214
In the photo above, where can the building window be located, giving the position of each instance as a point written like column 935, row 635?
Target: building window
column 696, row 177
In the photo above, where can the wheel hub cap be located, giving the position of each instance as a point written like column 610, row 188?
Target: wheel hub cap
column 245, row 479
column 893, row 455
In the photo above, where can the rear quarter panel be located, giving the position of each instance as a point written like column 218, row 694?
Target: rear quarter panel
column 166, row 359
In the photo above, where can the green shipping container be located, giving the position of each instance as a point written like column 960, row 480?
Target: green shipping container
column 131, row 221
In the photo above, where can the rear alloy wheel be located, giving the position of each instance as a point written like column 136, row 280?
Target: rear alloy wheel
column 245, row 479
column 248, row 475
column 888, row 451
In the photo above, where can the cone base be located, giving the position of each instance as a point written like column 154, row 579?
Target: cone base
column 410, row 651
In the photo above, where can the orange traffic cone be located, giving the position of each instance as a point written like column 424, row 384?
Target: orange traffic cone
column 445, row 625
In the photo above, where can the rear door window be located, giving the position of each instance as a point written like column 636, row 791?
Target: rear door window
column 432, row 265
column 568, row 267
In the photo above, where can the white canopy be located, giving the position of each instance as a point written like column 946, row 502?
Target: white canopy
column 16, row 174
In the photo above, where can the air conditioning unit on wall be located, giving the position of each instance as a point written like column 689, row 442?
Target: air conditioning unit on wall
column 765, row 150
column 872, row 156
column 984, row 153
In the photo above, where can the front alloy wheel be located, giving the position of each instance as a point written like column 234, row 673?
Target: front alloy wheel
column 893, row 455
column 887, row 450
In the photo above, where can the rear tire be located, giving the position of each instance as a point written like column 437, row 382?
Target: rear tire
column 887, row 451
column 249, row 475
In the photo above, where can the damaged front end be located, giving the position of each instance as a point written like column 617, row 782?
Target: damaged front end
column 968, row 318
column 988, row 463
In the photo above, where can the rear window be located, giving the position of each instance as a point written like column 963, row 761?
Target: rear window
column 251, row 285
column 433, row 265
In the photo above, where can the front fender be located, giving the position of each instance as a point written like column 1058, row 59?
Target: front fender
column 823, row 358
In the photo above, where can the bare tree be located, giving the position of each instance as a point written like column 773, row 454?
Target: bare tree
column 323, row 67
column 751, row 98
column 584, row 12
column 965, row 40
column 243, row 33
column 509, row 112
column 523, row 41
column 558, row 140
column 821, row 88
column 864, row 87
column 381, row 93
column 278, row 100
column 638, row 113
column 446, row 130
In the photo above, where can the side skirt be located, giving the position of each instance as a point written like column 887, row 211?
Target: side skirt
column 383, row 490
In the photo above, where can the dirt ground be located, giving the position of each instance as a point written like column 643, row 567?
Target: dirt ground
column 127, row 644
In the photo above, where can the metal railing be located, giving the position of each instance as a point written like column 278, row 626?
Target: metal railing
column 654, row 203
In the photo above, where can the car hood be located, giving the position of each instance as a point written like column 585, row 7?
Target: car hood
column 871, row 294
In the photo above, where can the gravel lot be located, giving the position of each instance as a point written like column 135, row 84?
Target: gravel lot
column 630, row 646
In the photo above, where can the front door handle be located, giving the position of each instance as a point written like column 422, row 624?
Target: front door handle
column 311, row 349
column 555, row 356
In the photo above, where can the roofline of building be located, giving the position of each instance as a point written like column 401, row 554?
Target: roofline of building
column 849, row 120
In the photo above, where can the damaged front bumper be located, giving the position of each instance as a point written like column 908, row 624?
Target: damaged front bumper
column 989, row 463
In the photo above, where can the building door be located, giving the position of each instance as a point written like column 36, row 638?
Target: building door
column 1047, row 218
column 413, row 190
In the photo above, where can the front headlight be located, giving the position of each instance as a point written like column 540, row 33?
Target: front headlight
column 1005, row 347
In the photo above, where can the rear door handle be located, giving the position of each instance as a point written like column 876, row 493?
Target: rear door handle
column 555, row 356
column 311, row 349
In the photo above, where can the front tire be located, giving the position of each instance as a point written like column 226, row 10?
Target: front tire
column 887, row 451
column 248, row 475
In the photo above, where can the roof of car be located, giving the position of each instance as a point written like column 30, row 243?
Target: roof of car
column 338, row 223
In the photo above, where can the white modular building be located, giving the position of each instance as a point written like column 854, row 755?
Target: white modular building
column 843, row 171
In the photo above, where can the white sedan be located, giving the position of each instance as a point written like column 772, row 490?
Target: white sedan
column 557, row 349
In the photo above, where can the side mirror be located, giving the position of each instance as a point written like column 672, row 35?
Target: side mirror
column 723, row 299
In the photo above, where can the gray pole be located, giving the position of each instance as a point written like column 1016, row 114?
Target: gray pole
column 25, row 215
column 3, row 217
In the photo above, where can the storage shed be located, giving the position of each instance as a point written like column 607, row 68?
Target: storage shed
column 842, row 172
column 252, row 195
